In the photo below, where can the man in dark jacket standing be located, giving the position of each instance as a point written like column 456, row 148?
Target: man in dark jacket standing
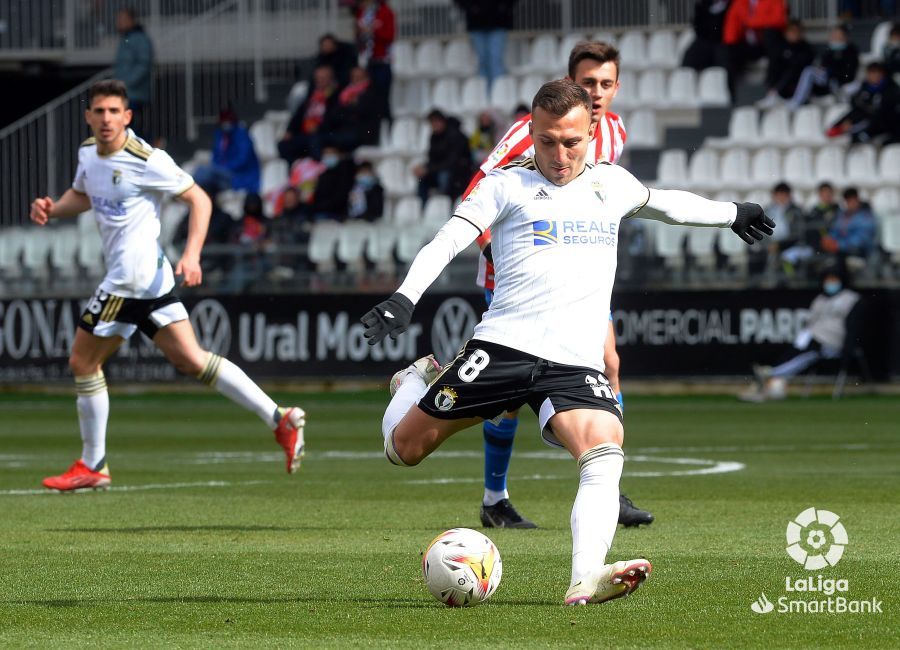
column 449, row 165
column 487, row 24
column 134, row 67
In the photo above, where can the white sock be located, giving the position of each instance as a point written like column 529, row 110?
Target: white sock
column 596, row 509
column 92, row 402
column 234, row 384
column 408, row 394
column 492, row 497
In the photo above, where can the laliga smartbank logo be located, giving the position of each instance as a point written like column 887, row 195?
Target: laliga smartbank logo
column 816, row 539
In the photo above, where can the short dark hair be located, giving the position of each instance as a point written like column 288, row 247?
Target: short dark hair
column 595, row 51
column 793, row 22
column 108, row 88
column 782, row 188
column 876, row 66
column 561, row 96
column 851, row 193
column 895, row 30
column 435, row 114
column 365, row 164
column 825, row 186
column 130, row 12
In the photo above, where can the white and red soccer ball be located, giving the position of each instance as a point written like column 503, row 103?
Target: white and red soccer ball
column 462, row 567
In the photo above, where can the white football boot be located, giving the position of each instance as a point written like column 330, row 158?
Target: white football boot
column 612, row 581
column 427, row 368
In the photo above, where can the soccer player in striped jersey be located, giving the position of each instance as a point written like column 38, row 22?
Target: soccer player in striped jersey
column 123, row 179
column 595, row 67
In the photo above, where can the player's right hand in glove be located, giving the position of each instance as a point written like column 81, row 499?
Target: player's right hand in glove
column 388, row 318
column 751, row 223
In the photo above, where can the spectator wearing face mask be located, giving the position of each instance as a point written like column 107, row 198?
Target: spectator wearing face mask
column 366, row 200
column 874, row 109
column 357, row 114
column 853, row 231
column 836, row 68
column 333, row 187
column 234, row 163
column 831, row 332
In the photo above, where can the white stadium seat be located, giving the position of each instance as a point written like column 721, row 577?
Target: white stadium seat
column 627, row 96
column 542, row 55
column 409, row 242
column 351, row 245
column 661, row 49
column 701, row 243
column 889, row 163
column 890, row 236
column 279, row 121
column 63, row 248
column 274, row 175
column 566, row 45
column 668, row 241
column 322, row 243
column 395, row 177
column 474, row 97
column 743, row 129
column 445, row 96
column 775, row 128
column 765, row 168
column 886, row 202
column 263, row 136
column 734, row 169
column 829, row 164
column 703, row 170
column 604, row 37
column 633, row 49
column 90, row 251
column 296, row 95
column 798, row 168
column 861, row 165
column 683, row 88
column 685, row 38
column 652, row 89
column 672, row 170
column 380, row 245
column 807, row 126
column 408, row 211
column 733, row 247
column 459, row 59
column 504, row 95
column 833, row 114
column 12, row 241
column 404, row 137
column 528, row 87
column 411, row 97
column 438, row 208
column 403, row 59
column 641, row 129
column 429, row 59
column 876, row 45
column 713, row 87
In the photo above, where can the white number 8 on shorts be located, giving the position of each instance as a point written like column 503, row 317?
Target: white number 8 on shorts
column 477, row 361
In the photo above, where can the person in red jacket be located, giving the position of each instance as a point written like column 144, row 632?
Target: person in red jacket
column 753, row 29
column 376, row 29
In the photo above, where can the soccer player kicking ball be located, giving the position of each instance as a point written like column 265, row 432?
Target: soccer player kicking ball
column 541, row 341
column 124, row 180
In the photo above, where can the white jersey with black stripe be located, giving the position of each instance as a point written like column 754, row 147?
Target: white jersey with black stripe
column 554, row 250
column 126, row 189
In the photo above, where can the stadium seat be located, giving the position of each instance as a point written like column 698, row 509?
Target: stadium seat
column 672, row 170
column 459, row 59
column 542, row 56
column 733, row 248
column 889, row 163
column 504, row 96
column 775, row 128
column 409, row 242
column 279, row 121
column 322, row 243
column 633, row 49
column 36, row 251
column 703, row 170
column 833, row 114
column 701, row 246
column 861, row 166
column 403, row 59
column 604, row 37
column 734, row 168
column 404, row 137
column 876, row 45
column 445, row 95
column 829, row 164
column 798, row 168
column 438, row 208
column 395, row 177
column 12, row 241
column 63, row 248
column 90, row 251
column 743, row 129
column 171, row 215
column 807, row 126
column 890, row 237
column 408, row 211
column 428, row 59
column 380, row 245
column 661, row 47
column 627, row 96
column 765, row 168
column 232, row 202
column 683, row 42
column 642, row 130
column 274, row 176
column 652, row 89
column 264, row 136
column 759, row 196
column 565, row 47
column 296, row 96
column 713, row 87
column 683, row 89
column 412, row 98
column 528, row 87
column 886, row 202
column 668, row 241
column 351, row 246
column 474, row 97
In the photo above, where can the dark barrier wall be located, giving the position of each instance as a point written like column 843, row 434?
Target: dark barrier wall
column 672, row 334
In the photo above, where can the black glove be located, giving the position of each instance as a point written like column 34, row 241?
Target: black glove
column 390, row 317
column 751, row 223
column 488, row 253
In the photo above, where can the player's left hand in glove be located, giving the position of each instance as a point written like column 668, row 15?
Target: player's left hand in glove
column 388, row 318
column 751, row 223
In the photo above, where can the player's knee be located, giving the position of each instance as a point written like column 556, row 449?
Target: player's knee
column 188, row 363
column 400, row 452
column 81, row 366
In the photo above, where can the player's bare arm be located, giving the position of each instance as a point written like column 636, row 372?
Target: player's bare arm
column 70, row 204
column 201, row 211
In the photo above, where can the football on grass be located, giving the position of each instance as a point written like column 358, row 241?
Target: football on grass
column 462, row 567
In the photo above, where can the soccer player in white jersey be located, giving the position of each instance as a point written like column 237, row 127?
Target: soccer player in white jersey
column 124, row 180
column 555, row 221
column 595, row 67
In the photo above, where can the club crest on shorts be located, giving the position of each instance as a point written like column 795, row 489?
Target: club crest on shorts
column 445, row 399
column 117, row 177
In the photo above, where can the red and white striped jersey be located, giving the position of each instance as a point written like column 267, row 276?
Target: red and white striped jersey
column 607, row 146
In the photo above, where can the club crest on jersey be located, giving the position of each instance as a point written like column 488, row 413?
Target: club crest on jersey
column 599, row 190
column 445, row 399
column 544, row 233
column 117, row 177
column 542, row 195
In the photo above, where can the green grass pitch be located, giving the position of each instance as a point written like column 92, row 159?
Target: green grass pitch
column 206, row 542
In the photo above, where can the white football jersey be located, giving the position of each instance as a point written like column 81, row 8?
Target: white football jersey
column 554, row 250
column 126, row 189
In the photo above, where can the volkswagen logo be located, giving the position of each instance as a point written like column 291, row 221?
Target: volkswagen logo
column 452, row 326
column 212, row 325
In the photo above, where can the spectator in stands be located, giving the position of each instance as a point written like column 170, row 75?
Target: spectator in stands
column 367, row 195
column 852, row 233
column 832, row 332
column 449, row 164
column 253, row 222
column 357, row 113
column 291, row 224
column 484, row 137
column 520, row 111
column 341, row 57
column 836, row 68
column 706, row 49
column 234, row 163
column 752, row 30
column 891, row 52
column 313, row 119
column 788, row 219
column 794, row 56
column 375, row 31
column 333, row 187
column 222, row 230
column 134, row 66
column 874, row 109
column 820, row 218
column 488, row 24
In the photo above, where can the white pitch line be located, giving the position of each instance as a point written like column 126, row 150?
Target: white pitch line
column 137, row 488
